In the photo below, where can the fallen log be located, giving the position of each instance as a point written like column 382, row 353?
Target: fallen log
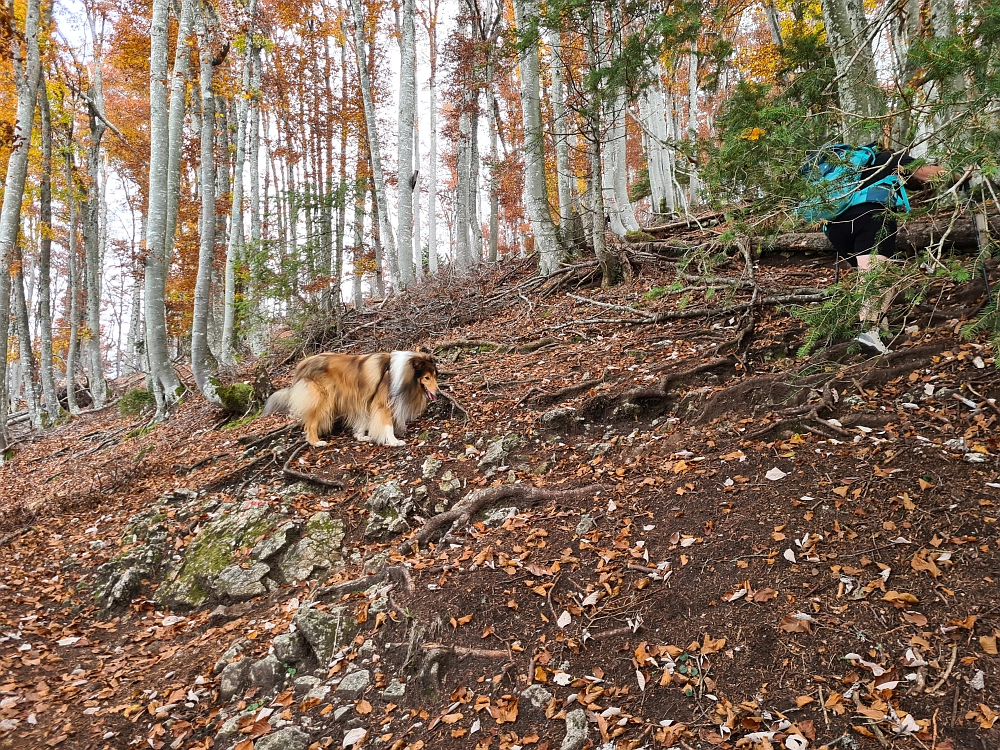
column 915, row 234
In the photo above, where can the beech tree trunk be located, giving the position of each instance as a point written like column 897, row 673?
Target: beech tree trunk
column 418, row 255
column 407, row 104
column 50, row 401
column 385, row 227
column 27, row 66
column 73, row 346
column 206, row 249
column 234, row 252
column 23, row 326
column 560, row 124
column 166, row 385
column 849, row 41
column 175, row 121
column 535, row 192
column 92, row 224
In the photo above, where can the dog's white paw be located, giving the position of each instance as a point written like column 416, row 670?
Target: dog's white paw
column 364, row 438
column 320, row 443
column 395, row 442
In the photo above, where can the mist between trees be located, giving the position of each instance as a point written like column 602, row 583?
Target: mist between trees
column 285, row 160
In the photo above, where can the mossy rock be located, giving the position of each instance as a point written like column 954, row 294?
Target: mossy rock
column 212, row 551
column 238, row 398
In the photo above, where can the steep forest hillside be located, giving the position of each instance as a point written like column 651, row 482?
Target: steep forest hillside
column 637, row 519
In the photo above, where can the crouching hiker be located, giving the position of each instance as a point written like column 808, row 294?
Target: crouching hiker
column 859, row 191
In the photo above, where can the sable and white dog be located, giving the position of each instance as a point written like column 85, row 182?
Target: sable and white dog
column 375, row 394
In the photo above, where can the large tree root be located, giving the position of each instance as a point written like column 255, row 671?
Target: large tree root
column 312, row 478
column 465, row 509
column 600, row 405
column 394, row 573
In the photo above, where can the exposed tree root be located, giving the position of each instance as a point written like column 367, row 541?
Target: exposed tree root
column 460, row 515
column 599, row 406
column 394, row 573
column 536, row 345
column 312, row 478
column 547, row 398
column 468, row 344
column 453, row 403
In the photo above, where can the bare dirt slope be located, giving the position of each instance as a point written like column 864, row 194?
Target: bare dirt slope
column 702, row 540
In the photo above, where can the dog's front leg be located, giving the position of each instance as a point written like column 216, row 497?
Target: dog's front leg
column 380, row 430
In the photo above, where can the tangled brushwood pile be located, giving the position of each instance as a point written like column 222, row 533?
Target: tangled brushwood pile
column 640, row 520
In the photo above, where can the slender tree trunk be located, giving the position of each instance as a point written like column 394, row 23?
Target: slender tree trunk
column 848, row 38
column 535, row 192
column 377, row 239
column 166, row 385
column 234, row 253
column 359, row 235
column 418, row 255
column 432, row 257
column 49, row 399
column 407, row 104
column 206, row 249
column 494, row 182
column 385, row 227
column 463, row 255
column 257, row 256
column 694, row 185
column 27, row 66
column 175, row 121
column 563, row 176
column 24, row 349
column 73, row 347
column 475, row 225
column 92, row 226
column 610, row 270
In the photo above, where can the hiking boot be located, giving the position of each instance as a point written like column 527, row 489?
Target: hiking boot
column 871, row 340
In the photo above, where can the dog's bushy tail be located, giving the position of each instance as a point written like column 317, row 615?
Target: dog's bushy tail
column 280, row 402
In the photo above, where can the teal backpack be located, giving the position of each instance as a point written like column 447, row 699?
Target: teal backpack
column 834, row 176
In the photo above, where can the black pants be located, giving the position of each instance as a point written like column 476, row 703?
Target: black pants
column 861, row 229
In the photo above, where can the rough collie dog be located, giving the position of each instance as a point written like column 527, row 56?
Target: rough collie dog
column 375, row 394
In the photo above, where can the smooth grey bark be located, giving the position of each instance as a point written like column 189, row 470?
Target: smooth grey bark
column 463, row 254
column 418, row 255
column 377, row 239
column 535, row 192
column 432, row 257
column 475, row 225
column 563, row 177
column 407, row 105
column 694, row 184
column 27, row 66
column 73, row 347
column 166, row 385
column 206, row 249
column 857, row 83
column 50, row 401
column 29, row 372
column 494, row 182
column 621, row 210
column 359, row 235
column 234, row 251
column 175, row 121
column 92, row 224
column 133, row 359
column 386, row 235
column 605, row 259
column 257, row 259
